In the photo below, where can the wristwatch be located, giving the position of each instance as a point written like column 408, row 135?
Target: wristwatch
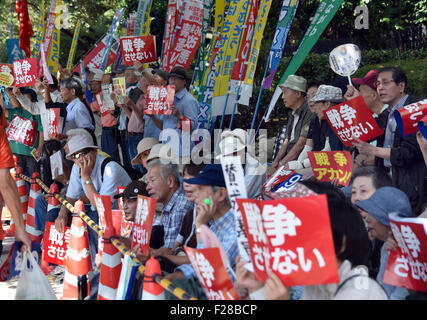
column 89, row 181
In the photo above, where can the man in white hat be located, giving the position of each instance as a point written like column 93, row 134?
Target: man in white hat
column 143, row 151
column 89, row 177
column 234, row 143
column 294, row 92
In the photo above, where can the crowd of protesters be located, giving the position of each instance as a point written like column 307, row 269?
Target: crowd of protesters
column 102, row 150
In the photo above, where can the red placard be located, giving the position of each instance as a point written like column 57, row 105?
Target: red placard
column 143, row 223
column 407, row 265
column 23, row 131
column 284, row 239
column 55, row 244
column 25, row 72
column 408, row 117
column 53, row 122
column 211, row 272
column 103, row 207
column 284, row 177
column 138, row 48
column 187, row 39
column 159, row 99
column 328, row 165
column 352, row 119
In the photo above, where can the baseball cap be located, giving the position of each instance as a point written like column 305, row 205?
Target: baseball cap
column 211, row 175
column 369, row 79
column 133, row 189
column 179, row 72
column 384, row 201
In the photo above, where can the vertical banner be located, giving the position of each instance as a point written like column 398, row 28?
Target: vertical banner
column 40, row 31
column 140, row 12
column 169, row 33
column 72, row 53
column 143, row 223
column 228, row 48
column 407, row 265
column 324, row 14
column 289, row 7
column 46, row 72
column 114, row 25
column 13, row 50
column 103, row 207
column 50, row 25
column 236, row 188
column 188, row 37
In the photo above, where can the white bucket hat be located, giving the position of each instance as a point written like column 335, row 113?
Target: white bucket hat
column 79, row 142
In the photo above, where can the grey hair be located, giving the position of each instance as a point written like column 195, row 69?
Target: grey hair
column 227, row 199
column 166, row 169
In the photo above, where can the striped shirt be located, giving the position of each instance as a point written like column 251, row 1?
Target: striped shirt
column 225, row 230
column 172, row 215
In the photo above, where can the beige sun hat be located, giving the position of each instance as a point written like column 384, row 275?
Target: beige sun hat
column 162, row 151
column 143, row 145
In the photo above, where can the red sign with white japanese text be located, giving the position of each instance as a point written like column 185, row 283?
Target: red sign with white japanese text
column 159, row 99
column 188, row 37
column 330, row 165
column 408, row 117
column 138, row 48
column 103, row 207
column 284, row 239
column 25, row 72
column 145, row 208
column 282, row 180
column 407, row 265
column 53, row 122
column 211, row 273
column 55, row 244
column 22, row 130
column 352, row 119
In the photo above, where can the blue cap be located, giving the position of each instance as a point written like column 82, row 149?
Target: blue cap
column 384, row 201
column 211, row 175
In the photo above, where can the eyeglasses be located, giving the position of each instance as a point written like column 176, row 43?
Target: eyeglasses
column 384, row 83
column 81, row 153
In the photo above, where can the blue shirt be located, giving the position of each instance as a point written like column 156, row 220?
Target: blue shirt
column 225, row 230
column 172, row 215
column 78, row 116
column 114, row 176
column 150, row 129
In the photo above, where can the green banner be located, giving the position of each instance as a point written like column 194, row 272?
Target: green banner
column 324, row 14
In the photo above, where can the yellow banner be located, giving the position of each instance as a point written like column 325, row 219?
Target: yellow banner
column 73, row 47
column 228, row 45
column 40, row 32
column 53, row 58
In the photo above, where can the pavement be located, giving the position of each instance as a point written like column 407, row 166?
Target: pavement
column 8, row 288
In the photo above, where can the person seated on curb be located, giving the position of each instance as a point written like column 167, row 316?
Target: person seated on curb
column 376, row 211
column 219, row 216
column 351, row 244
column 320, row 135
column 234, row 143
column 171, row 258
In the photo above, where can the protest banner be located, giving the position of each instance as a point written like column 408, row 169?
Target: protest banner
column 46, row 73
column 119, row 85
column 103, row 207
column 53, row 117
column 282, row 180
column 110, row 39
column 53, row 53
column 143, row 223
column 168, row 33
column 407, row 265
column 188, row 36
column 324, row 14
column 211, row 273
column 138, row 48
column 55, row 244
column 285, row 240
column 352, row 118
column 330, row 165
column 236, row 188
column 13, row 50
column 50, row 25
column 159, row 99
column 25, row 72
column 287, row 14
column 22, row 130
column 73, row 47
column 40, row 31
column 408, row 117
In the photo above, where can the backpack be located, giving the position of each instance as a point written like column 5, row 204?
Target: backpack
column 133, row 174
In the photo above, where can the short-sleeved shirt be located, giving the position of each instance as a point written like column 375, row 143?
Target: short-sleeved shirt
column 17, row 147
column 78, row 116
column 114, row 176
column 300, row 129
column 318, row 132
column 107, row 119
column 172, row 215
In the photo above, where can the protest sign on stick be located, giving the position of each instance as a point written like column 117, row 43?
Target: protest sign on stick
column 138, row 48
column 25, row 71
column 408, row 117
column 330, row 165
column 159, row 99
column 143, row 223
column 55, row 244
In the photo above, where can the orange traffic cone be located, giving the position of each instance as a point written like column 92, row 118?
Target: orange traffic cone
column 23, row 196
column 35, row 190
column 152, row 290
column 111, row 265
column 52, row 203
column 78, row 259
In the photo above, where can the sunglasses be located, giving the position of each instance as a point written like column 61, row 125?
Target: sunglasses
column 81, row 153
